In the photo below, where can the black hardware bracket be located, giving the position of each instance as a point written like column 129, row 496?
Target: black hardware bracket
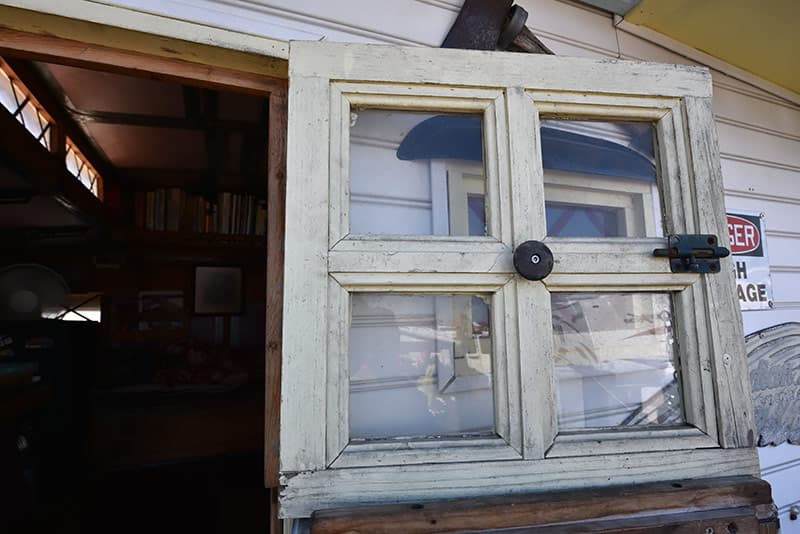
column 694, row 253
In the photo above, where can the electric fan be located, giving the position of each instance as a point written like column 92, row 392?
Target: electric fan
column 26, row 289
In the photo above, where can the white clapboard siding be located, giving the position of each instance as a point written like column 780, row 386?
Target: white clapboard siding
column 781, row 466
column 416, row 22
column 752, row 180
column 759, row 146
column 782, row 249
column 780, row 215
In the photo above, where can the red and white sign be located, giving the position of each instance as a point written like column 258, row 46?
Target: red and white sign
column 744, row 235
column 750, row 261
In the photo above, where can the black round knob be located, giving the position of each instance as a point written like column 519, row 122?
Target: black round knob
column 533, row 260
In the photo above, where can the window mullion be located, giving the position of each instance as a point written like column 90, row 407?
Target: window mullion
column 536, row 367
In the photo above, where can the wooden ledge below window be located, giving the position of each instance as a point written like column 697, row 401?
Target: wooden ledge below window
column 724, row 505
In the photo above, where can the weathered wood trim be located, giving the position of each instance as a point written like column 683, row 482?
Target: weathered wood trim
column 725, row 330
column 727, row 503
column 423, row 282
column 304, row 493
column 561, row 282
column 276, row 209
column 526, row 171
column 537, row 368
column 341, row 453
column 607, row 255
column 303, row 411
column 347, row 97
column 691, row 336
column 424, row 452
column 375, row 63
column 620, row 441
column 339, row 207
column 493, row 259
column 337, row 387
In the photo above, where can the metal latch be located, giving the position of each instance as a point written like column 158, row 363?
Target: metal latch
column 694, row 253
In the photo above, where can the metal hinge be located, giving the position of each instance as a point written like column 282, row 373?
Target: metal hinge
column 694, row 253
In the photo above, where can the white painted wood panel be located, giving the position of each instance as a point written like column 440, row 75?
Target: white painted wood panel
column 784, row 250
column 751, row 180
column 779, row 216
column 570, row 29
column 780, row 466
column 785, row 285
column 748, row 111
column 417, row 23
column 760, row 319
column 756, row 145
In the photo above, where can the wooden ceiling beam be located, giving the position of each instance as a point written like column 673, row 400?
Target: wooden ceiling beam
column 55, row 106
column 160, row 121
column 45, row 172
column 251, row 73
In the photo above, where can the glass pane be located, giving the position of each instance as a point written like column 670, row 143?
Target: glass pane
column 615, row 360
column 416, row 173
column 7, row 93
column 600, row 179
column 420, row 366
column 31, row 117
column 72, row 162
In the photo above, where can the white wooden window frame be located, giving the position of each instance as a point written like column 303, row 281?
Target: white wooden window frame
column 323, row 266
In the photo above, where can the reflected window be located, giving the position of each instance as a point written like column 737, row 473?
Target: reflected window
column 615, row 360
column 420, row 366
column 416, row 174
column 600, row 179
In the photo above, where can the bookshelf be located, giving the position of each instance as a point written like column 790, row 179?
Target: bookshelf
column 173, row 209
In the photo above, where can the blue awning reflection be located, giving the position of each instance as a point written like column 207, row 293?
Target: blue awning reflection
column 460, row 137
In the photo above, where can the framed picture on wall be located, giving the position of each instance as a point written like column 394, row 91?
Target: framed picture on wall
column 218, row 290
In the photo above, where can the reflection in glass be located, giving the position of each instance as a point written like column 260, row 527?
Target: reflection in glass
column 600, row 179
column 615, row 360
column 420, row 366
column 416, row 173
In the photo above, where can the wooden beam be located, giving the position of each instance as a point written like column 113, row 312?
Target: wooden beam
column 733, row 503
column 249, row 79
column 55, row 106
column 157, row 121
column 276, row 209
column 45, row 172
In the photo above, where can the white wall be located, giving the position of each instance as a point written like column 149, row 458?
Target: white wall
column 759, row 133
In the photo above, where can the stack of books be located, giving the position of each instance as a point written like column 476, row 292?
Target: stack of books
column 174, row 210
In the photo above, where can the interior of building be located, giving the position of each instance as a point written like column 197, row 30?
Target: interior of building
column 132, row 302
